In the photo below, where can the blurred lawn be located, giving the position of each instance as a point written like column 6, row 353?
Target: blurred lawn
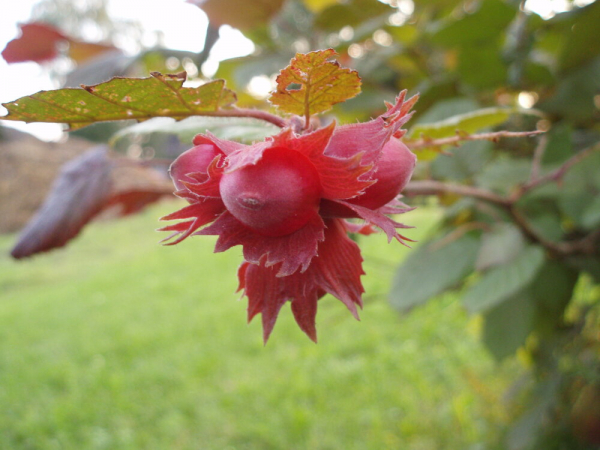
column 119, row 343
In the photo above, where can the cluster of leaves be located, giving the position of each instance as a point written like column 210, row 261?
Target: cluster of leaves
column 519, row 239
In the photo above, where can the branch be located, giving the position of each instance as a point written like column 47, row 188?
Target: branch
column 432, row 187
column 538, row 155
column 557, row 174
column 253, row 113
column 426, row 142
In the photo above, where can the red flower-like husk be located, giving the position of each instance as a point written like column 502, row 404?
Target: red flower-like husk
column 336, row 270
column 314, row 255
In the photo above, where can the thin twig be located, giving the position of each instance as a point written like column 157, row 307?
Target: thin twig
column 252, row 113
column 432, row 187
column 426, row 142
column 557, row 174
column 538, row 155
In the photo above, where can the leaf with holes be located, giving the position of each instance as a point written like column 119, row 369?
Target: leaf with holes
column 120, row 99
column 322, row 84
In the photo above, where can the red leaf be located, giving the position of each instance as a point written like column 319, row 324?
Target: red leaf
column 78, row 194
column 131, row 202
column 37, row 43
column 239, row 14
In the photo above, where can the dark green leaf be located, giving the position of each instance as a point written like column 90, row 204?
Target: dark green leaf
column 508, row 324
column 560, row 146
column 582, row 41
column 541, row 212
column 351, row 13
column 503, row 174
column 590, row 218
column 502, row 282
column 551, row 290
column 485, row 24
column 578, row 196
column 121, row 99
column 462, row 163
column 481, row 67
column 574, row 97
column 588, row 264
column 430, row 270
column 499, row 246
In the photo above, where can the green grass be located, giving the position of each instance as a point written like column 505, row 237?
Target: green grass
column 119, row 343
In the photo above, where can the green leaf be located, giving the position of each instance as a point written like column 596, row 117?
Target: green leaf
column 352, row 13
column 504, row 281
column 551, row 290
column 582, row 41
column 591, row 215
column 231, row 128
column 578, row 196
column 507, row 325
column 485, row 24
column 499, row 246
column 462, row 163
column 587, row 264
column 468, row 123
column 574, row 94
column 503, row 174
column 322, row 83
column 541, row 212
column 430, row 270
column 121, row 99
column 560, row 145
column 481, row 67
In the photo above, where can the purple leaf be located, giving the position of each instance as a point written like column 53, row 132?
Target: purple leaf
column 81, row 190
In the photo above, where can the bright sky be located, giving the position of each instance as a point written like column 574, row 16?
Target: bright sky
column 18, row 80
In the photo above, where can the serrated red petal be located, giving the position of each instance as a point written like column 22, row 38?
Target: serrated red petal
column 224, row 145
column 202, row 213
column 209, row 187
column 293, row 251
column 341, row 177
column 337, row 270
column 370, row 137
column 246, row 156
column 187, row 167
column 379, row 219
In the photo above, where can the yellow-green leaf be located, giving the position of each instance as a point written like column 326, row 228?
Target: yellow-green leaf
column 120, row 99
column 467, row 123
column 322, row 84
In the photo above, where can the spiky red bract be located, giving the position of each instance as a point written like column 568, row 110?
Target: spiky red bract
column 284, row 200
